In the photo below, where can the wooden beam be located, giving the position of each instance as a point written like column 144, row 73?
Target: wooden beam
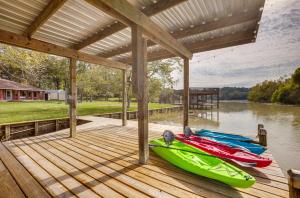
column 124, row 102
column 115, row 27
column 200, row 46
column 139, row 52
column 185, row 92
column 124, row 10
column 73, row 98
column 49, row 10
column 237, row 18
column 41, row 46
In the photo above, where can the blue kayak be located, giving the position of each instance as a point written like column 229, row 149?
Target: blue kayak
column 254, row 148
column 214, row 134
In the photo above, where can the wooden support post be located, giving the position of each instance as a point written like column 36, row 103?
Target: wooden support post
column 7, row 132
column 211, row 101
column 185, row 92
column 139, row 55
column 36, row 128
column 56, row 125
column 294, row 183
column 124, row 102
column 73, row 97
column 218, row 99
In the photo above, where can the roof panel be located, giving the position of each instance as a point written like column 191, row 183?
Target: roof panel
column 19, row 14
column 77, row 20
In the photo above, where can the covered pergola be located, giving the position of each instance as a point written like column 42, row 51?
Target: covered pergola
column 126, row 34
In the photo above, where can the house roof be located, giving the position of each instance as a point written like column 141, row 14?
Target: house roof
column 7, row 84
column 199, row 25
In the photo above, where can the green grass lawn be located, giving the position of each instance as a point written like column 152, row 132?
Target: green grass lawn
column 11, row 112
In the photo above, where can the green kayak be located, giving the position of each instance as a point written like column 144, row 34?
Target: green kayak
column 201, row 163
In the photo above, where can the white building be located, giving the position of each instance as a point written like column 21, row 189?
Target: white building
column 56, row 94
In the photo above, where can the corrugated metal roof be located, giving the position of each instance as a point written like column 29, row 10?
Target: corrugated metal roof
column 77, row 20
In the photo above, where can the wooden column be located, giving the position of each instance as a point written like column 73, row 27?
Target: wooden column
column 36, row 128
column 124, row 102
column 139, row 56
column 185, row 92
column 7, row 132
column 294, row 183
column 218, row 99
column 73, row 97
column 56, row 125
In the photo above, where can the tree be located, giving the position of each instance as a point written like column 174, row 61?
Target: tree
column 263, row 92
column 159, row 76
column 285, row 91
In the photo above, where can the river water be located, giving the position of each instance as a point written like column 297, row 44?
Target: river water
column 282, row 123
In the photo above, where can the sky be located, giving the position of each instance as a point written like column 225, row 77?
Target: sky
column 275, row 54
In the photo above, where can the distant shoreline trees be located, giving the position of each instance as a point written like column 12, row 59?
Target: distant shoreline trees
column 286, row 91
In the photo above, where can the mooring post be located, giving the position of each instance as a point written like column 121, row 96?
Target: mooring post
column 260, row 126
column 7, row 132
column 294, row 183
column 262, row 136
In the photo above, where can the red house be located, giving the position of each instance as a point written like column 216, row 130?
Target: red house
column 13, row 91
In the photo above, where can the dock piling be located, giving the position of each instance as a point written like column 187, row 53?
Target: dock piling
column 294, row 183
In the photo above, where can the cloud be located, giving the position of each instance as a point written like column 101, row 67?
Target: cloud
column 276, row 52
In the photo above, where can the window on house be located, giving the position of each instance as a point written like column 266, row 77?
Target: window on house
column 23, row 93
column 34, row 94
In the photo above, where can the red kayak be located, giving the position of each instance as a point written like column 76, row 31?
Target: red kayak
column 224, row 151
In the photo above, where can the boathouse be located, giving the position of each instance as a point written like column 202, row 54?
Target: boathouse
column 107, row 157
column 13, row 91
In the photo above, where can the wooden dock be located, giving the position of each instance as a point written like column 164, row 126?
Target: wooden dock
column 102, row 161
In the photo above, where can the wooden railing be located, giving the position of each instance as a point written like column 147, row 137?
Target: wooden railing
column 133, row 114
column 26, row 129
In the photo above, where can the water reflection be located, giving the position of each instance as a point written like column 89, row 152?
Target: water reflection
column 282, row 123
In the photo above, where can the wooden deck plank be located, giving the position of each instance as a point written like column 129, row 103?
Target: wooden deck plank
column 126, row 179
column 103, row 161
column 255, row 172
column 48, row 182
column 134, row 163
column 281, row 192
column 97, row 175
column 73, row 185
column 130, row 144
column 85, row 180
column 8, row 186
column 103, row 148
column 26, row 182
column 127, row 170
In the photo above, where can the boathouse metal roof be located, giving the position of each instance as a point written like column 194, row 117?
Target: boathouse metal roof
column 200, row 25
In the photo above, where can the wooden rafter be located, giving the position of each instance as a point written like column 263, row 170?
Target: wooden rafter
column 41, row 46
column 238, row 18
column 124, row 11
column 49, row 10
column 211, row 44
column 115, row 27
